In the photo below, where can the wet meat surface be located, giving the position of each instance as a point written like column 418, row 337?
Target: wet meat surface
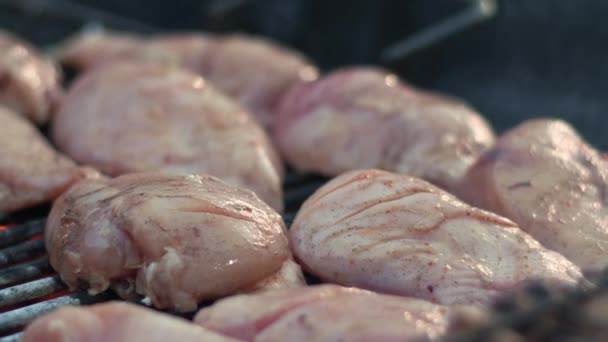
column 29, row 83
column 177, row 240
column 325, row 313
column 544, row 176
column 360, row 117
column 31, row 171
column 118, row 322
column 135, row 116
column 401, row 235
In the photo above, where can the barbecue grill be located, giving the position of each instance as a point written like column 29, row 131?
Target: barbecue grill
column 29, row 287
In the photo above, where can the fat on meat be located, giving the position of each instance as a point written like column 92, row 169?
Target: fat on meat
column 363, row 117
column 553, row 184
column 116, row 322
column 135, row 116
column 30, row 84
column 31, row 171
column 326, row 313
column 175, row 239
column 401, row 235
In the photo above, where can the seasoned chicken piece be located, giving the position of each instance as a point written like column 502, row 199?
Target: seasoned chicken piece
column 256, row 72
column 365, row 118
column 31, row 171
column 401, row 235
column 129, row 117
column 116, row 322
column 90, row 49
column 176, row 239
column 546, row 178
column 325, row 313
column 29, row 83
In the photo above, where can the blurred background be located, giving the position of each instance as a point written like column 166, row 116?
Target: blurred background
column 526, row 59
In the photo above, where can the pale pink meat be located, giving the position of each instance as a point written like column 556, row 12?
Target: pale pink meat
column 325, row 313
column 546, row 178
column 256, row 72
column 128, row 117
column 116, row 322
column 362, row 117
column 29, row 83
column 177, row 240
column 401, row 235
column 31, row 171
column 189, row 50
column 288, row 276
column 91, row 49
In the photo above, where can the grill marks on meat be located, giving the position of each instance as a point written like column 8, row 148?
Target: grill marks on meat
column 130, row 117
column 254, row 71
column 546, row 178
column 127, row 233
column 325, row 313
column 118, row 322
column 29, row 84
column 366, row 118
column 401, row 235
column 31, row 171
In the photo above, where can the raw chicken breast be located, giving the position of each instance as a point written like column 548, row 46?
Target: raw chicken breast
column 256, row 72
column 546, row 178
column 128, row 117
column 188, row 50
column 176, row 239
column 29, row 84
column 31, row 171
column 91, row 49
column 366, row 118
column 401, row 235
column 288, row 276
column 325, row 313
column 116, row 322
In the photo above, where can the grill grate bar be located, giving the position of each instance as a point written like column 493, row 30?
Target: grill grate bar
column 21, row 252
column 20, row 317
column 32, row 290
column 25, row 271
column 21, row 232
